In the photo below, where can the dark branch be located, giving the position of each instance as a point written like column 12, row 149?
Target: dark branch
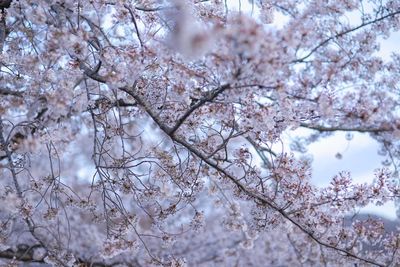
column 135, row 24
column 322, row 128
column 326, row 41
column 23, row 253
column 4, row 91
column 208, row 98
column 5, row 4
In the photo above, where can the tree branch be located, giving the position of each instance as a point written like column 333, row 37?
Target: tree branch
column 4, row 91
column 135, row 24
column 23, row 253
column 322, row 128
column 326, row 41
column 5, row 3
column 208, row 98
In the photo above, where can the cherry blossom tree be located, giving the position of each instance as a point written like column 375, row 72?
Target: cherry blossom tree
column 149, row 133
